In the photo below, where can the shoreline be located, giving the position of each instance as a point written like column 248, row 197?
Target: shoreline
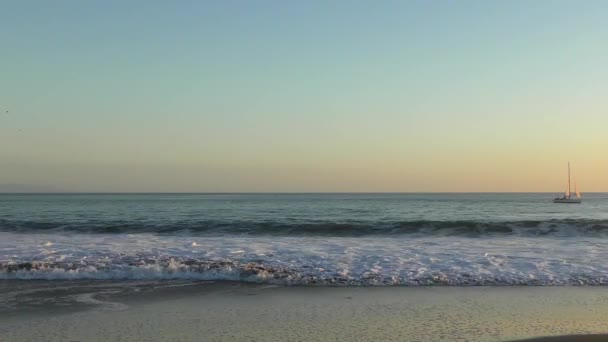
column 569, row 338
column 230, row 311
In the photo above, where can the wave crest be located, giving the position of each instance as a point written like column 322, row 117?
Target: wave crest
column 322, row 228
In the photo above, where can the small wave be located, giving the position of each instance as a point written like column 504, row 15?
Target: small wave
column 252, row 272
column 322, row 228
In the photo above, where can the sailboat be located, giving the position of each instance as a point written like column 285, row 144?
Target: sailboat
column 567, row 198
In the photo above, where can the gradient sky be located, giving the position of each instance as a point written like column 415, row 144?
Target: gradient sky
column 303, row 95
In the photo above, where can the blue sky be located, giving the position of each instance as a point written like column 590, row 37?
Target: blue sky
column 302, row 96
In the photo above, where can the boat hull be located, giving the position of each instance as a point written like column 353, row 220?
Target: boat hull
column 567, row 201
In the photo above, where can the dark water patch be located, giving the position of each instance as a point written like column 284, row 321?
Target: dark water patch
column 290, row 227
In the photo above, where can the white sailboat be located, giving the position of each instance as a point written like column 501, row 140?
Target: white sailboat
column 567, row 198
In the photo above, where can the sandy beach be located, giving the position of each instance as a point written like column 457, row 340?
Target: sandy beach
column 186, row 311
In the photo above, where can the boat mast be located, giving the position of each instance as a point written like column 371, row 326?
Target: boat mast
column 568, row 180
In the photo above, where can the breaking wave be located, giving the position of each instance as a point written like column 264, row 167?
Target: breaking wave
column 321, row 228
column 258, row 272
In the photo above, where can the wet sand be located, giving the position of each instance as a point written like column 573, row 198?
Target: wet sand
column 184, row 311
column 569, row 338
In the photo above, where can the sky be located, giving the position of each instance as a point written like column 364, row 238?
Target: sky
column 299, row 96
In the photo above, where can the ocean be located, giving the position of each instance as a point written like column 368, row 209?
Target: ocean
column 307, row 239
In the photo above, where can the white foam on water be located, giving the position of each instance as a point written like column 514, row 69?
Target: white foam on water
column 89, row 298
column 399, row 260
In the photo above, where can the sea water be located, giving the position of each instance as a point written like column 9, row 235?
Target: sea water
column 307, row 239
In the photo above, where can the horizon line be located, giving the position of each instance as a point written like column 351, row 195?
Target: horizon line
column 271, row 192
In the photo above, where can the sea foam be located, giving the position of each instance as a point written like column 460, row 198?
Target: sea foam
column 368, row 261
